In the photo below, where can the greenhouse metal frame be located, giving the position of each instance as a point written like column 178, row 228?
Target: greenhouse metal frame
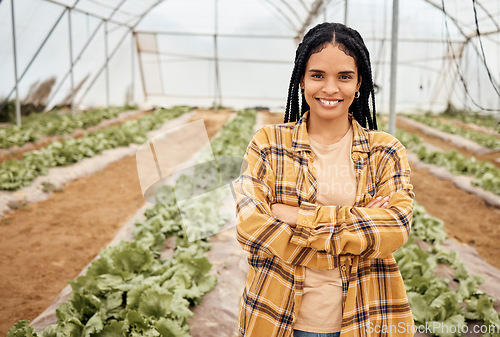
column 469, row 29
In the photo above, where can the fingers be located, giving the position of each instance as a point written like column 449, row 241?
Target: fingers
column 378, row 202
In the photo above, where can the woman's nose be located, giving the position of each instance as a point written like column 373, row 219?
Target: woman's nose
column 330, row 86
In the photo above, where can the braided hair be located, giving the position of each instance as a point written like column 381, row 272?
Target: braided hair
column 353, row 45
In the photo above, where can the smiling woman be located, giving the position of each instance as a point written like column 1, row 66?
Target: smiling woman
column 324, row 203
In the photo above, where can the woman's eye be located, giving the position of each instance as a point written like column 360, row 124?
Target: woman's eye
column 345, row 77
column 317, row 76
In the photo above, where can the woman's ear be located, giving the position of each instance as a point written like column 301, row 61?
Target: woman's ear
column 359, row 83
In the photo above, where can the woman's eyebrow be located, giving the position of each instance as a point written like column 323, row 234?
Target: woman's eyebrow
column 340, row 72
column 315, row 71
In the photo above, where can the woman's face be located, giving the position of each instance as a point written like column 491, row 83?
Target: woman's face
column 330, row 82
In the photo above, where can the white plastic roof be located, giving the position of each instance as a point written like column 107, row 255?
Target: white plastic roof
column 240, row 52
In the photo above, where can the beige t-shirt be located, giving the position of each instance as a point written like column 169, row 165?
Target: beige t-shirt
column 321, row 308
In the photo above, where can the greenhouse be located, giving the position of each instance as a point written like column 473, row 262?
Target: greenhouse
column 143, row 151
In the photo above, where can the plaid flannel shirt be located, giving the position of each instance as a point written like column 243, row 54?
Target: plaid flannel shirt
column 357, row 239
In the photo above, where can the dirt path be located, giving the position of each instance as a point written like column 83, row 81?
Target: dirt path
column 467, row 218
column 45, row 244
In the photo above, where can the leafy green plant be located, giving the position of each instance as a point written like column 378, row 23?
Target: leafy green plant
column 432, row 300
column 129, row 290
column 486, row 175
column 15, row 174
column 35, row 126
column 472, row 117
column 487, row 140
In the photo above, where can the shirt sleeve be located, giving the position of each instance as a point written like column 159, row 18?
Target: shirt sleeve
column 258, row 231
column 368, row 232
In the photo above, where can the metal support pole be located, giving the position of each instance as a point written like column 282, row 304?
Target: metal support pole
column 346, row 11
column 132, row 63
column 325, row 14
column 160, row 70
column 394, row 61
column 72, row 78
column 107, row 61
column 141, row 68
column 217, row 94
column 18, row 104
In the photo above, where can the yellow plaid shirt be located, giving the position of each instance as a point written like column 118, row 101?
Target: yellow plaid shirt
column 357, row 239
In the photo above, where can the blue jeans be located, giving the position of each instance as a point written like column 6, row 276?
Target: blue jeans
column 299, row 333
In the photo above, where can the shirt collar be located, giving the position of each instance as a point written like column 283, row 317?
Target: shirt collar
column 300, row 138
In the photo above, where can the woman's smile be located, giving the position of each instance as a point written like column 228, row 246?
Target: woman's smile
column 329, row 103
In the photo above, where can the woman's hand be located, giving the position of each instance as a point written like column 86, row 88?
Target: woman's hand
column 286, row 213
column 378, row 202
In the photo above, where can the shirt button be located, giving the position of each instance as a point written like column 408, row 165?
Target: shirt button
column 304, row 222
column 343, row 268
column 354, row 157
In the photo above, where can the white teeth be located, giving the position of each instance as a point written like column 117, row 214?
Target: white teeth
column 328, row 102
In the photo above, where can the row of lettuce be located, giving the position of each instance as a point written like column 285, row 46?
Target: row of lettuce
column 489, row 140
column 130, row 290
column 448, row 306
column 480, row 118
column 485, row 174
column 16, row 174
column 36, row 126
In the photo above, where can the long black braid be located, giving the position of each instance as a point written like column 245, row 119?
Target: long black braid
column 352, row 44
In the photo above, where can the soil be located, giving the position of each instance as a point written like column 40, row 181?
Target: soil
column 44, row 244
column 468, row 219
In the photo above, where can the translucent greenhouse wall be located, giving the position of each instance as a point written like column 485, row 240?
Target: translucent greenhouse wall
column 239, row 53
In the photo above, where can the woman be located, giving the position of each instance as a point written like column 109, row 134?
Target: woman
column 323, row 204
